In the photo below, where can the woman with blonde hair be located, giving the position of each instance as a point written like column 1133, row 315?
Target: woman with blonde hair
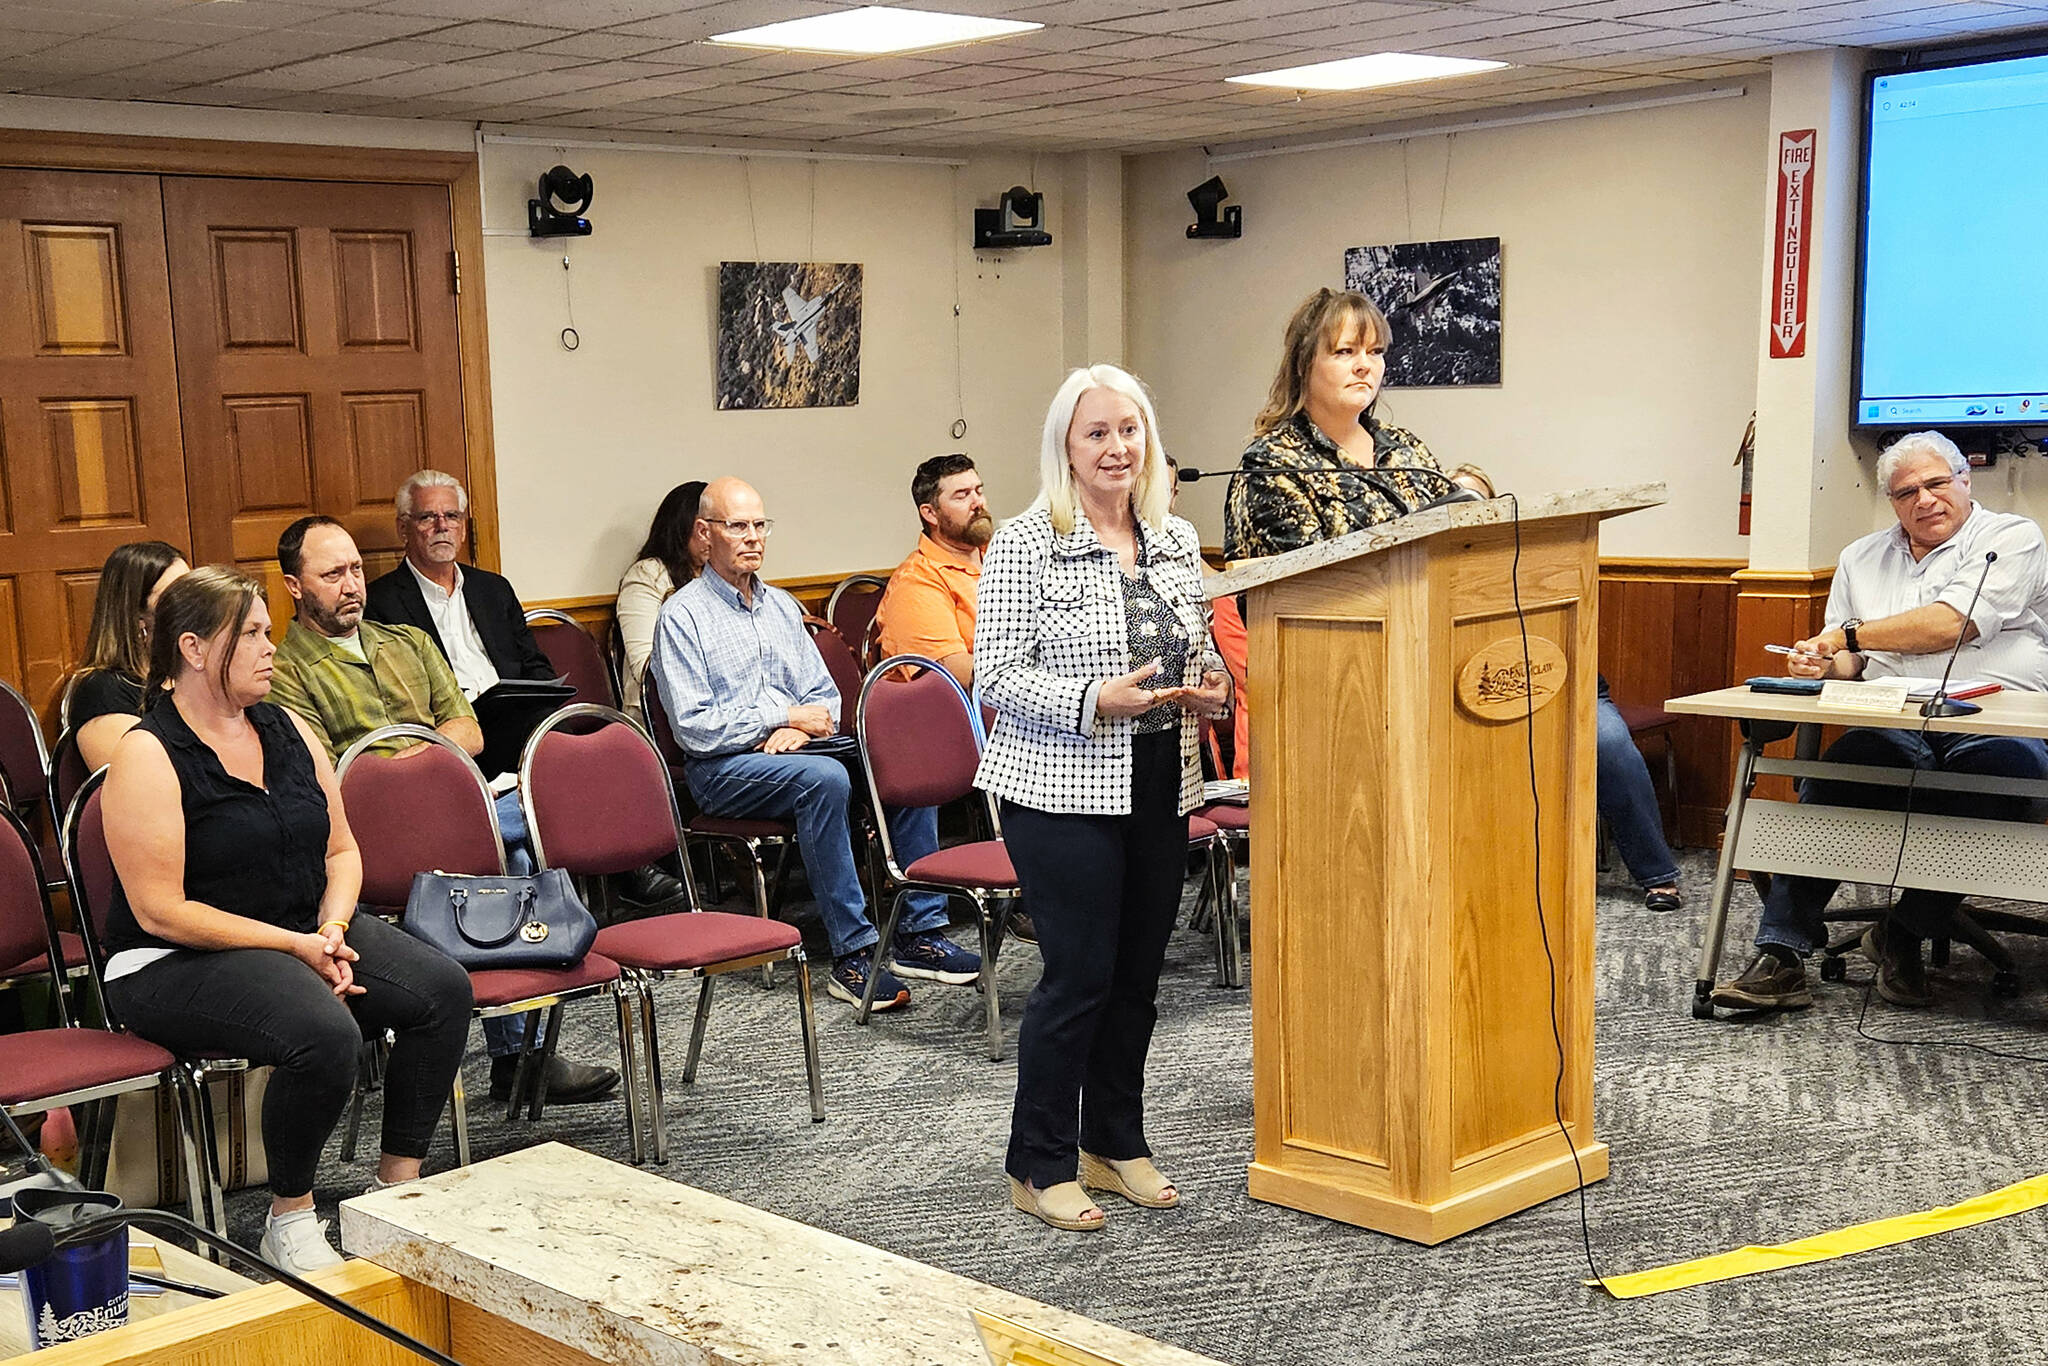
column 1319, row 414
column 1092, row 645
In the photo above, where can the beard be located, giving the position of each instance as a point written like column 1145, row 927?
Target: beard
column 976, row 531
column 344, row 618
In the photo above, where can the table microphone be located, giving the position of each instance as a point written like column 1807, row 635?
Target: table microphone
column 35, row 1248
column 1941, row 704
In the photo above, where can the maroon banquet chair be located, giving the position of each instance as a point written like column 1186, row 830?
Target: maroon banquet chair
column 67, row 775
column 598, row 800
column 91, row 873
column 72, row 1065
column 575, row 655
column 920, row 745
column 25, row 766
column 740, row 835
column 851, row 609
column 841, row 664
column 434, row 812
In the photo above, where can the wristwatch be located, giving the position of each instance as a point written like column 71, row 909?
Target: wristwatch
column 1849, row 634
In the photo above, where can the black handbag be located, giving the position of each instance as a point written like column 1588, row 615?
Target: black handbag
column 501, row 922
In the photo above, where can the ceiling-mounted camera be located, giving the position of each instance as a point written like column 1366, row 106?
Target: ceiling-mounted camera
column 564, row 197
column 1017, row 220
column 1206, row 197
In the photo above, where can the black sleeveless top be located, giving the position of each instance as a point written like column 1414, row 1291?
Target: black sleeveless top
column 248, row 851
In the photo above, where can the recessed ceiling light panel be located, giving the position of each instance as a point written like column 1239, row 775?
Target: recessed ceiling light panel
column 1364, row 73
column 874, row 29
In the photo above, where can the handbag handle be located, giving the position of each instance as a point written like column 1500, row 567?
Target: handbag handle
column 458, row 902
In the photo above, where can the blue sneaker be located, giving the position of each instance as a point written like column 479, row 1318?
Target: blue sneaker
column 849, row 980
column 935, row 958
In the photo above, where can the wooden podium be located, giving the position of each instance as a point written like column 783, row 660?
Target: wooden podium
column 1402, row 1047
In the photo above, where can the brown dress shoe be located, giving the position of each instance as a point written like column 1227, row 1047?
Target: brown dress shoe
column 1901, row 978
column 1770, row 983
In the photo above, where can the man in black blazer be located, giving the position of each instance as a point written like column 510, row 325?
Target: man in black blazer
column 476, row 619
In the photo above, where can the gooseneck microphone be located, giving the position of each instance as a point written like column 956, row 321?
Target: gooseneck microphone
column 24, row 1245
column 34, row 1242
column 1941, row 704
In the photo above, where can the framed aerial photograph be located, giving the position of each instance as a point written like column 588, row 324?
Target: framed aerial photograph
column 1442, row 300
column 788, row 334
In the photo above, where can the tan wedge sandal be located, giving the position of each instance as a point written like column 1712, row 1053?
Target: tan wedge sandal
column 1062, row 1206
column 1135, row 1179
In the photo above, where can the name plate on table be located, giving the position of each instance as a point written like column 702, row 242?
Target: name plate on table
column 1841, row 694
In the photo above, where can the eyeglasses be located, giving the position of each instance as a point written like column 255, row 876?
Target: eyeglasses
column 764, row 528
column 1936, row 486
column 439, row 518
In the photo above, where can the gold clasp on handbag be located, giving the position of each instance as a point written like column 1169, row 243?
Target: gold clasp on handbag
column 533, row 931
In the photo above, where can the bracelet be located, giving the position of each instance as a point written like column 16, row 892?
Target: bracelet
column 343, row 923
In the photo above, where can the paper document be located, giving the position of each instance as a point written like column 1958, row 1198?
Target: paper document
column 1920, row 689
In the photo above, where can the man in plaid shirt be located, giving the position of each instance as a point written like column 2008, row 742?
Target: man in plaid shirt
column 746, row 692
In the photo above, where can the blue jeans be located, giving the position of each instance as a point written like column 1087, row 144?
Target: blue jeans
column 816, row 792
column 504, row 1034
column 1792, row 912
column 1628, row 802
column 914, row 833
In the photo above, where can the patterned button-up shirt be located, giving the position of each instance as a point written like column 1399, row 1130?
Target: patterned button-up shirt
column 400, row 680
column 730, row 672
column 1266, row 514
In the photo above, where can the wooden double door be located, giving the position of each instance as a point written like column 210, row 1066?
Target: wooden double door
column 202, row 361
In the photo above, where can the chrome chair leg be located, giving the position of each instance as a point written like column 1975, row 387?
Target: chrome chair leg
column 650, row 1036
column 697, row 1030
column 547, row 1055
column 808, row 1019
column 216, row 1198
column 458, row 1120
column 522, row 1074
column 188, row 1136
column 629, row 1065
column 879, row 953
column 992, row 1009
column 761, row 906
column 1229, row 920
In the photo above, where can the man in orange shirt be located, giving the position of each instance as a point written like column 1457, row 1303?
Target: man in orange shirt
column 929, row 606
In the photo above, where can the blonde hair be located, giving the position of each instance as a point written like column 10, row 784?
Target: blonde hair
column 1151, row 498
column 1318, row 324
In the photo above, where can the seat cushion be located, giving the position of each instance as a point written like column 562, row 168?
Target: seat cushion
column 984, row 863
column 1200, row 828
column 72, row 947
column 502, row 986
column 51, row 1062
column 1640, row 718
column 693, row 939
column 1227, row 815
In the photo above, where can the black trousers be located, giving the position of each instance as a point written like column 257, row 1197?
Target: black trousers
column 1103, row 893
column 269, row 1007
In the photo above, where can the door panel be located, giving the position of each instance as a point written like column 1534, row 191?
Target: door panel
column 318, row 358
column 90, row 455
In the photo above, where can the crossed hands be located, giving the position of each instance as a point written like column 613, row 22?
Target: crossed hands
column 805, row 725
column 326, row 951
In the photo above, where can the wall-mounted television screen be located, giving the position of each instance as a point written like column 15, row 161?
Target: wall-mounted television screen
column 1953, row 305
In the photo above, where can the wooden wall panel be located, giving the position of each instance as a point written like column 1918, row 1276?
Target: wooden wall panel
column 1667, row 628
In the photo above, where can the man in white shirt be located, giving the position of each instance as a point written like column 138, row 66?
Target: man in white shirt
column 1902, row 600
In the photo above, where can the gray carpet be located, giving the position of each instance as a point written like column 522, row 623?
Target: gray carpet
column 1721, row 1135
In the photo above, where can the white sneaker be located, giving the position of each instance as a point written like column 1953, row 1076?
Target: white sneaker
column 297, row 1242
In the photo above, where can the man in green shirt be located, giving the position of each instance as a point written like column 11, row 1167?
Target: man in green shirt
column 347, row 677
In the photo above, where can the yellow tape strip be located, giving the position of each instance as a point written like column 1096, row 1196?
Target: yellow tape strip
column 1904, row 1228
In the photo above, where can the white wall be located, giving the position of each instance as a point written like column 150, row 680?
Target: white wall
column 588, row 441
column 1630, row 315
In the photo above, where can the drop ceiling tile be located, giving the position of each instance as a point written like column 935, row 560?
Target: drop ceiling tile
column 275, row 47
column 324, row 73
column 501, row 64
column 497, row 36
column 727, row 16
column 590, row 14
column 807, row 80
column 368, row 25
column 598, row 45
column 454, row 10
column 416, row 51
column 423, row 80
column 90, row 56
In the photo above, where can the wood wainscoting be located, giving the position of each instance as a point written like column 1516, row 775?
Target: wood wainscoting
column 594, row 611
column 1668, row 628
column 1777, row 606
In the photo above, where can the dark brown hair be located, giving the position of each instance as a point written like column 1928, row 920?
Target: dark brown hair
column 668, row 536
column 1317, row 325
column 291, row 546
column 115, row 640
column 207, row 602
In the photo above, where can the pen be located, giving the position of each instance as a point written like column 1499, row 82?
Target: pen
column 1788, row 650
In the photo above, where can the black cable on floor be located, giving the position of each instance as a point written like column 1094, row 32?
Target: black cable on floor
column 1543, row 925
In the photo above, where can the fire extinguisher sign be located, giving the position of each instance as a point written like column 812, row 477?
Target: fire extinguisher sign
column 1795, row 232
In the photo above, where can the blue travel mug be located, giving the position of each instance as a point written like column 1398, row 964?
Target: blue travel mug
column 79, row 1290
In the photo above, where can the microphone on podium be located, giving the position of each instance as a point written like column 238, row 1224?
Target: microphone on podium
column 1941, row 704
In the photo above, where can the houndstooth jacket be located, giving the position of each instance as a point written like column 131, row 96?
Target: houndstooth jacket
column 1049, row 630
